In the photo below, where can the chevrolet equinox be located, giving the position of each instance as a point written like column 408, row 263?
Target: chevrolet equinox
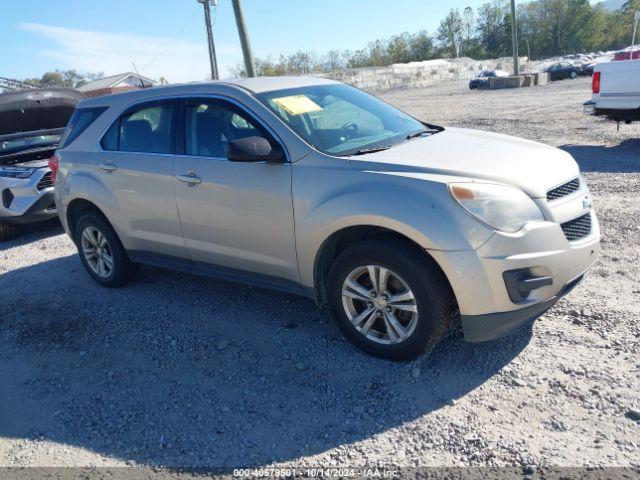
column 313, row 187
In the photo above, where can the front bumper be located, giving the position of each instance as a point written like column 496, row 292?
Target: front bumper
column 43, row 209
column 484, row 328
column 27, row 200
column 478, row 281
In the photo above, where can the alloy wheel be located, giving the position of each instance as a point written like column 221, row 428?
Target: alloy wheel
column 379, row 304
column 97, row 252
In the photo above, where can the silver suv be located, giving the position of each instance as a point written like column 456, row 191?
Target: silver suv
column 313, row 187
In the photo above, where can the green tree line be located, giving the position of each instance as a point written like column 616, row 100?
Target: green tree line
column 546, row 28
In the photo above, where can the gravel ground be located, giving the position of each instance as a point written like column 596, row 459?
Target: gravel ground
column 177, row 370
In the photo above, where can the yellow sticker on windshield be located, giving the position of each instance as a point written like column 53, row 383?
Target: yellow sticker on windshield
column 297, row 104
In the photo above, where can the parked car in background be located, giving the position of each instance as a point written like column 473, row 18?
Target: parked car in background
column 616, row 91
column 562, row 70
column 588, row 69
column 482, row 80
column 313, row 187
column 31, row 125
column 579, row 66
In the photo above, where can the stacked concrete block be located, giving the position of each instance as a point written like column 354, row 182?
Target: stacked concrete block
column 417, row 74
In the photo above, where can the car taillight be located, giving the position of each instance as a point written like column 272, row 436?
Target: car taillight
column 596, row 82
column 53, row 165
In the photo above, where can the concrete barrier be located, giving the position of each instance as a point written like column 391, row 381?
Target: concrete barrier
column 521, row 81
column 542, row 78
column 505, row 82
column 418, row 74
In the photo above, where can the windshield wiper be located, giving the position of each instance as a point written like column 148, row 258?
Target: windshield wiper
column 364, row 151
column 420, row 133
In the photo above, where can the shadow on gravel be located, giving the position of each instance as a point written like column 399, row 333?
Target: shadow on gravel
column 32, row 232
column 622, row 158
column 181, row 371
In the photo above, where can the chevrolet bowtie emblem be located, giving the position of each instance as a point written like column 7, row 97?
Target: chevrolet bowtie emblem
column 586, row 203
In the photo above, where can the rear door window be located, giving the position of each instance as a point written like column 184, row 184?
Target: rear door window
column 146, row 129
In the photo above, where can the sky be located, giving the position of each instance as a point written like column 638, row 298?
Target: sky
column 167, row 38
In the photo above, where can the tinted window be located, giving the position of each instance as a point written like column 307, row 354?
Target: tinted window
column 147, row 130
column 79, row 122
column 209, row 126
column 110, row 140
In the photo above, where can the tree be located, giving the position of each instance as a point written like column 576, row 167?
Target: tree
column 53, row 79
column 494, row 29
column 63, row 79
column 546, row 28
column 398, row 50
column 332, row 61
column 421, row 47
column 528, row 22
column 451, row 32
column 468, row 25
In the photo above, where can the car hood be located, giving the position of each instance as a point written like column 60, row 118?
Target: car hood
column 533, row 167
column 37, row 109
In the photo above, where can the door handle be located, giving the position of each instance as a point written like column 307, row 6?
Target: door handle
column 191, row 179
column 108, row 167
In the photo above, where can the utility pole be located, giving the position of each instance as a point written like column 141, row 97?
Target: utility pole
column 244, row 39
column 636, row 19
column 212, row 48
column 514, row 38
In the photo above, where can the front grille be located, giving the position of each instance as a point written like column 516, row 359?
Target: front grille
column 564, row 190
column 577, row 228
column 45, row 182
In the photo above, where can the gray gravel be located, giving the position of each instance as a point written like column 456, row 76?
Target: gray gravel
column 178, row 370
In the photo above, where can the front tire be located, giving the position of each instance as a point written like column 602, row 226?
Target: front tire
column 102, row 253
column 574, row 75
column 389, row 298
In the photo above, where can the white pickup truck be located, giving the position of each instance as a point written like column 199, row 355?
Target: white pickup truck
column 616, row 91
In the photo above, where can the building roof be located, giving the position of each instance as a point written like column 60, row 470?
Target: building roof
column 112, row 81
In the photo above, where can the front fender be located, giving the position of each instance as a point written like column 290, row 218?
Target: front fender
column 422, row 211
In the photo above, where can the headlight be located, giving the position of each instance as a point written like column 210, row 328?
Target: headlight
column 501, row 207
column 16, row 172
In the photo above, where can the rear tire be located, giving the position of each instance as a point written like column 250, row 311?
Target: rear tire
column 7, row 231
column 412, row 276
column 574, row 75
column 102, row 253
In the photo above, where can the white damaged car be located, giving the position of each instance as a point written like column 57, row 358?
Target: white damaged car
column 31, row 126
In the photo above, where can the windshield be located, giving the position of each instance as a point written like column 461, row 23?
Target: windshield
column 341, row 120
column 28, row 143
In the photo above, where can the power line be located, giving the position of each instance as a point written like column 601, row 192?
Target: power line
column 170, row 44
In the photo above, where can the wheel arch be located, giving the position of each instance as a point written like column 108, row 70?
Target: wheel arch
column 79, row 207
column 345, row 237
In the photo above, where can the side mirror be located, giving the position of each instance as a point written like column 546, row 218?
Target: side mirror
column 254, row 149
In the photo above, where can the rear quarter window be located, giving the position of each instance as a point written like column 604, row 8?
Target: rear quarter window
column 81, row 119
